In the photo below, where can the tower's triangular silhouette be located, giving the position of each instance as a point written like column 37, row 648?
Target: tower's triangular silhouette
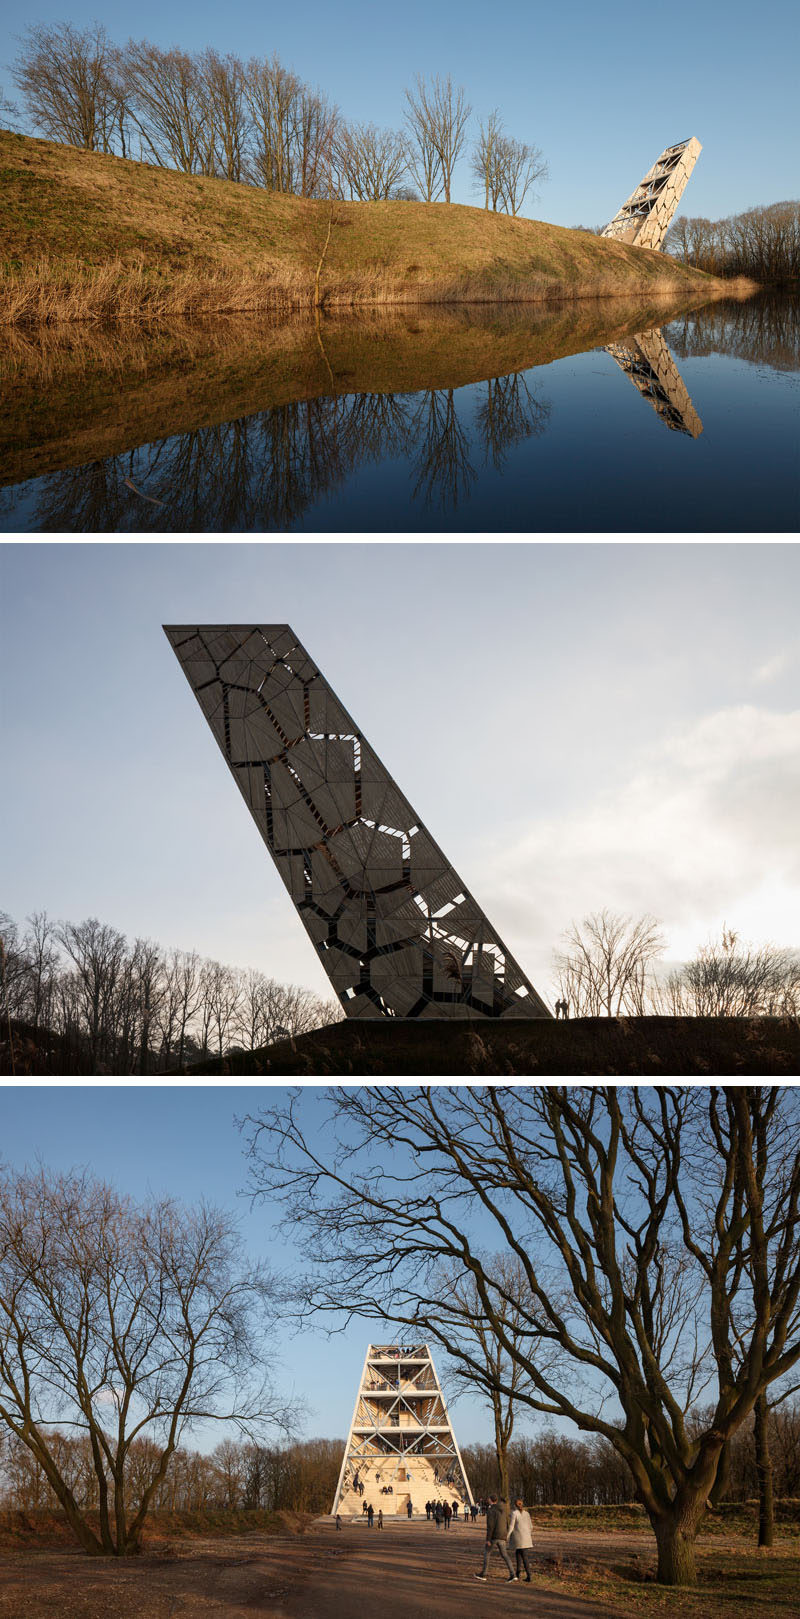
column 401, row 1447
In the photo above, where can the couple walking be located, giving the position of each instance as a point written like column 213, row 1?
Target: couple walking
column 508, row 1532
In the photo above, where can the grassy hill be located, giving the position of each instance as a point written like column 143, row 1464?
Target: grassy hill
column 538, row 1048
column 84, row 236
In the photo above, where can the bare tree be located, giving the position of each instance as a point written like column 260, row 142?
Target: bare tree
column 223, row 80
column 728, row 978
column 518, row 168
column 121, row 1322
column 168, row 106
column 68, row 80
column 293, row 129
column 500, row 1377
column 223, row 991
column 98, row 953
column 485, row 167
column 370, row 162
column 504, row 168
column 436, row 118
column 272, row 93
column 605, row 967
column 658, row 1232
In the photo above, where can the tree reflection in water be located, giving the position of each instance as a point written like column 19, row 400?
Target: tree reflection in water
column 266, row 470
column 509, row 414
column 763, row 330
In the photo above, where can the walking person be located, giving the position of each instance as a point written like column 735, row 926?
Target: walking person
column 520, row 1538
column 447, row 1514
column 380, row 1522
column 370, row 1515
column 409, row 1508
column 496, row 1537
column 437, row 1513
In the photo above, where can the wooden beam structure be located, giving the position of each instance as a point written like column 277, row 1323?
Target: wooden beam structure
column 646, row 216
column 401, row 1450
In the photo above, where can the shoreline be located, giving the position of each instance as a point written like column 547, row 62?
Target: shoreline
column 79, row 294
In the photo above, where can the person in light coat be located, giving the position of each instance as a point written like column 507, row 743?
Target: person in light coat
column 520, row 1537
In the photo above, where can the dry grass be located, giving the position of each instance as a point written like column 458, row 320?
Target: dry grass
column 85, row 238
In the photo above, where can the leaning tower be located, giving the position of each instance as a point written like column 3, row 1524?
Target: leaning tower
column 401, row 1446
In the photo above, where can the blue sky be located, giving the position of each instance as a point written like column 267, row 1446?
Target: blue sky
column 579, row 726
column 600, row 89
column 183, row 1142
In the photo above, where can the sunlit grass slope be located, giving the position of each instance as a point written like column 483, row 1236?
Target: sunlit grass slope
column 84, row 236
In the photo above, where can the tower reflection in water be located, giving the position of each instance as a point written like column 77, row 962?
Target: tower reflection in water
column 647, row 361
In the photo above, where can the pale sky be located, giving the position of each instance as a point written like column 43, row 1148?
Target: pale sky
column 578, row 725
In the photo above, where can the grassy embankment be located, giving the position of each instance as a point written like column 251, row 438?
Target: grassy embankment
column 537, row 1047
column 89, row 237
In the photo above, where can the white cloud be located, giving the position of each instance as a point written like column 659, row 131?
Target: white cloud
column 774, row 666
column 704, row 829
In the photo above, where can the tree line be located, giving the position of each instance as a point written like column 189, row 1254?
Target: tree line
column 237, row 1475
column 556, row 1469
column 545, row 1469
column 762, row 243
column 95, row 1003
column 111, row 1006
column 258, row 123
column 608, row 967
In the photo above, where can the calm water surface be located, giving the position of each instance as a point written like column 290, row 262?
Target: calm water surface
column 466, row 422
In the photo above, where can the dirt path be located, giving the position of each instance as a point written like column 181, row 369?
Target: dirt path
column 406, row 1571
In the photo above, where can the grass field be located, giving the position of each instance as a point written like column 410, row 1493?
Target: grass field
column 85, row 237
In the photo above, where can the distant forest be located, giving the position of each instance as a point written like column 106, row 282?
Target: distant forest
column 89, row 1002
column 763, row 243
column 549, row 1469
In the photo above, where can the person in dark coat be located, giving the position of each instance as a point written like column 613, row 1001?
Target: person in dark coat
column 496, row 1537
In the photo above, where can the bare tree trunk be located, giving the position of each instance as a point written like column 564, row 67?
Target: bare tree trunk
column 676, row 1534
column 766, row 1514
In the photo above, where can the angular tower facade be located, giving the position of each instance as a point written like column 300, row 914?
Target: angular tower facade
column 401, row 1448
column 645, row 218
column 397, row 931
